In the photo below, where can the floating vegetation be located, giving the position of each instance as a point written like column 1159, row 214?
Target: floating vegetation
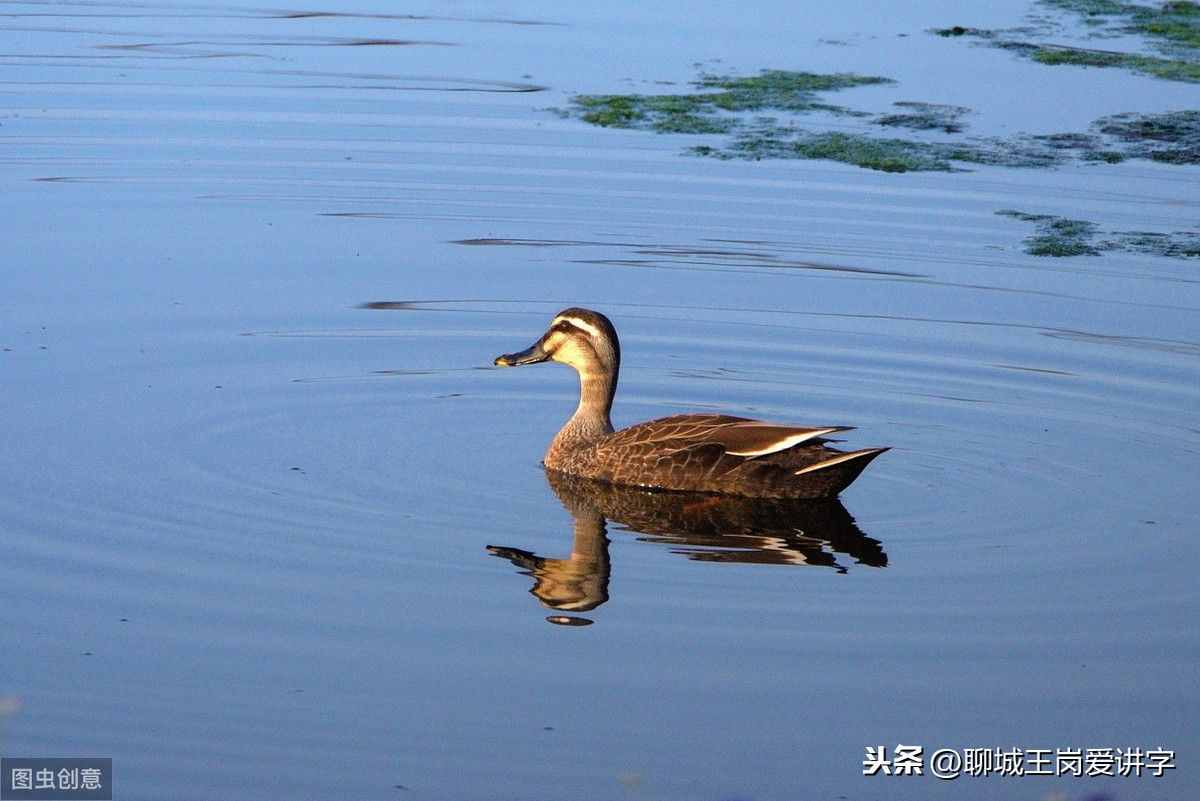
column 1056, row 236
column 1019, row 151
column 780, row 89
column 710, row 112
column 887, row 155
column 715, row 111
column 1174, row 28
column 1178, row 245
column 872, row 153
column 768, row 140
column 720, row 109
column 662, row 113
column 925, row 117
column 1063, row 237
column 1170, row 69
column 1170, row 138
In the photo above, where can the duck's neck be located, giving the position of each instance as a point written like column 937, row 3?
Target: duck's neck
column 590, row 421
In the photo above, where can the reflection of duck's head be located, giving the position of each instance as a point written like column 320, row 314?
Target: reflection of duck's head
column 574, row 584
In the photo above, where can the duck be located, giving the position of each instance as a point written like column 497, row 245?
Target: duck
column 716, row 454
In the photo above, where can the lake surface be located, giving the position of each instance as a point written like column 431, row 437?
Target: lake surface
column 257, row 261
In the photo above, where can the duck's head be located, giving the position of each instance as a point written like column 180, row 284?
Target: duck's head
column 582, row 338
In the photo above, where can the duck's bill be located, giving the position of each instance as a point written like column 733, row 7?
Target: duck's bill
column 531, row 355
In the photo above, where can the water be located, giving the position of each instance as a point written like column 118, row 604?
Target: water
column 256, row 269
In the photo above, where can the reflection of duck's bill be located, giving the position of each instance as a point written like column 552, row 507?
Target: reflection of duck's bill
column 529, row 561
column 569, row 620
column 859, row 459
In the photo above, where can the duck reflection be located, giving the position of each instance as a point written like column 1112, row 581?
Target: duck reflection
column 707, row 528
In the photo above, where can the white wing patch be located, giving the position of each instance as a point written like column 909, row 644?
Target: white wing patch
column 845, row 457
column 789, row 441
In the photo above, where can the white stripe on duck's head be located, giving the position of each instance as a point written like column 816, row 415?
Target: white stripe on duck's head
column 582, row 338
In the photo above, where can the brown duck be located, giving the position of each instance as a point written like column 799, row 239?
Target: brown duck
column 714, row 453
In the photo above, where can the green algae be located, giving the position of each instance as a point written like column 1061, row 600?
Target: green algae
column 1173, row 28
column 767, row 140
column 886, row 155
column 663, row 113
column 1167, row 138
column 1176, row 25
column 1170, row 69
column 782, row 90
column 713, row 111
column 1062, row 237
column 1074, row 56
column 1177, row 245
column 1056, row 236
column 872, row 153
column 1170, row 138
column 1027, row 152
column 722, row 107
column 925, row 117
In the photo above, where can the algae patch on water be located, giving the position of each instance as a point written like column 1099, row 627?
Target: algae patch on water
column 1056, row 236
column 1178, row 245
column 1170, row 138
column 925, row 117
column 770, row 141
column 1063, row 237
column 1166, row 68
column 720, row 106
column 722, row 102
column 714, row 110
column 1173, row 28
column 725, row 106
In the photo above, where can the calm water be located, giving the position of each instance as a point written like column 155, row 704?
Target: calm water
column 245, row 520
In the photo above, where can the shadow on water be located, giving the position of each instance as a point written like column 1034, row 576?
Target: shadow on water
column 142, row 10
column 666, row 256
column 704, row 528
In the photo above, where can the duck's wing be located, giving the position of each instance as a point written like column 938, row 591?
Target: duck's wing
column 736, row 436
column 723, row 454
column 752, row 438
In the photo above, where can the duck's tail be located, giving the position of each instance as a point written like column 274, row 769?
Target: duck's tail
column 830, row 476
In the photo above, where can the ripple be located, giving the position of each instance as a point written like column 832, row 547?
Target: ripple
column 989, row 436
column 993, row 435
